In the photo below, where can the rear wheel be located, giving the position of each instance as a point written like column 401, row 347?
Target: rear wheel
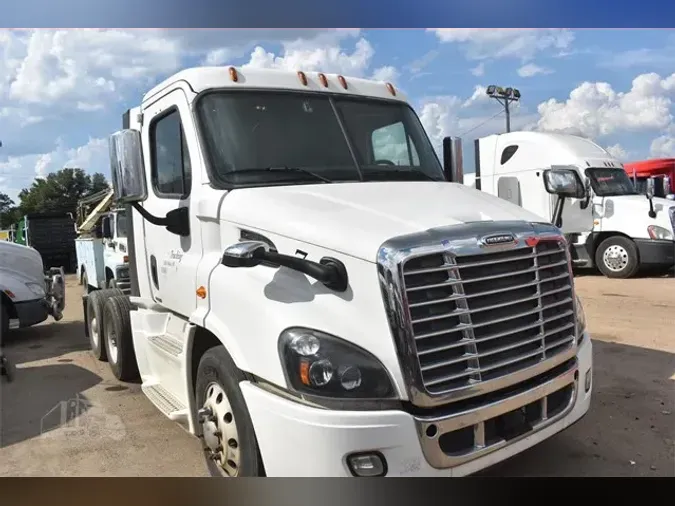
column 118, row 338
column 95, row 302
column 229, row 440
column 617, row 257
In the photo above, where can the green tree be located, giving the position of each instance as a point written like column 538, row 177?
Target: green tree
column 8, row 211
column 60, row 191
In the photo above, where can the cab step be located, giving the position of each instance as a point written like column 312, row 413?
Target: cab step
column 166, row 402
column 167, row 343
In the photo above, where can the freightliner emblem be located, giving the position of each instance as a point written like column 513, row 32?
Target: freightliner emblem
column 498, row 240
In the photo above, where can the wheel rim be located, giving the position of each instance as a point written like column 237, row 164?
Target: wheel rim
column 219, row 429
column 111, row 338
column 93, row 330
column 615, row 258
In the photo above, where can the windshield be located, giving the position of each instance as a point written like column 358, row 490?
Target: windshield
column 262, row 138
column 610, row 182
column 121, row 224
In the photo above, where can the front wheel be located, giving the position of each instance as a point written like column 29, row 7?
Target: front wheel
column 228, row 436
column 617, row 257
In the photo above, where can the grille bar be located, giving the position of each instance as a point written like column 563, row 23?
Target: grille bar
column 478, row 317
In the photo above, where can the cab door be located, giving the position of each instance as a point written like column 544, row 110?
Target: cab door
column 170, row 137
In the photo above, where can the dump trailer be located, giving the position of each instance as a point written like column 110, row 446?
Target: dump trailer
column 101, row 245
column 306, row 282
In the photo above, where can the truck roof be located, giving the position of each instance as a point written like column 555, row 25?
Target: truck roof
column 559, row 143
column 206, row 78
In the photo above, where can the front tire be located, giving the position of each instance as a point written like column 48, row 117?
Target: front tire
column 617, row 257
column 228, row 437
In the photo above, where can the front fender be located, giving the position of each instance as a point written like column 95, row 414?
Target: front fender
column 15, row 284
column 250, row 307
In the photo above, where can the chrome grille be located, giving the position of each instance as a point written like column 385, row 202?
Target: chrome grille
column 480, row 317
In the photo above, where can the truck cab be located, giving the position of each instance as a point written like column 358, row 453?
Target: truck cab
column 614, row 228
column 306, row 282
column 655, row 175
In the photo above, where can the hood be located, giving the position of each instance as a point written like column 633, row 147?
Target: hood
column 637, row 205
column 21, row 261
column 357, row 218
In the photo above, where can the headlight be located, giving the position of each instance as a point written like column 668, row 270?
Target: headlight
column 326, row 366
column 659, row 233
column 581, row 317
column 36, row 288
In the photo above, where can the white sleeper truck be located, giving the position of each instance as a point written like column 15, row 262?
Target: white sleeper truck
column 613, row 227
column 101, row 245
column 310, row 296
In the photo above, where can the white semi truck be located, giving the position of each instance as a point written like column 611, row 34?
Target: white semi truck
column 613, row 227
column 311, row 297
column 101, row 245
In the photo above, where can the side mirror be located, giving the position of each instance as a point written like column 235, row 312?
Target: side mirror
column 126, row 167
column 453, row 163
column 106, row 228
column 564, row 183
column 588, row 190
column 245, row 254
column 650, row 188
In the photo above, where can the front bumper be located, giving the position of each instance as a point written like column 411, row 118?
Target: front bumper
column 656, row 253
column 31, row 312
column 297, row 440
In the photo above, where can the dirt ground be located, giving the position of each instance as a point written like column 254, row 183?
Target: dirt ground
column 66, row 415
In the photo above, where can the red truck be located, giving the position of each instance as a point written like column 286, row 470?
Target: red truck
column 660, row 170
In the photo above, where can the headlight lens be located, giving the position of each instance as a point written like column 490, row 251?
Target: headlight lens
column 36, row 288
column 581, row 317
column 659, row 233
column 322, row 365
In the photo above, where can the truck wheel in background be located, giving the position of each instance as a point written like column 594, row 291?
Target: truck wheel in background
column 229, row 441
column 85, row 282
column 617, row 257
column 95, row 302
column 118, row 338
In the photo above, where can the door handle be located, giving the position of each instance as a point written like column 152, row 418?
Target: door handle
column 153, row 271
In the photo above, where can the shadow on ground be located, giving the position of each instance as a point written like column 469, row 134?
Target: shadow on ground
column 629, row 429
column 45, row 341
column 41, row 399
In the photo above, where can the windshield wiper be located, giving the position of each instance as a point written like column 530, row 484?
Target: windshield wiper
column 384, row 172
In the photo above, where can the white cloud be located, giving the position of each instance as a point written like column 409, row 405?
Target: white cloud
column 310, row 57
column 595, row 109
column 530, row 70
column 618, row 152
column 478, row 70
column 18, row 172
column 663, row 147
column 387, row 73
column 524, row 44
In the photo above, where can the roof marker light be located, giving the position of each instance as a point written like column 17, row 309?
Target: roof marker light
column 391, row 89
column 303, row 77
column 233, row 74
column 343, row 82
column 324, row 80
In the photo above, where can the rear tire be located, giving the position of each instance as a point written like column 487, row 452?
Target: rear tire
column 217, row 374
column 617, row 257
column 95, row 303
column 85, row 283
column 118, row 338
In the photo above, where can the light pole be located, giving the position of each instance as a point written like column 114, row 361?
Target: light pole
column 504, row 96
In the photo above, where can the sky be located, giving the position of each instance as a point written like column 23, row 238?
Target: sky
column 62, row 92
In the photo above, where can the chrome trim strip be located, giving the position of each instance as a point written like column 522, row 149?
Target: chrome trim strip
column 476, row 418
column 458, row 240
